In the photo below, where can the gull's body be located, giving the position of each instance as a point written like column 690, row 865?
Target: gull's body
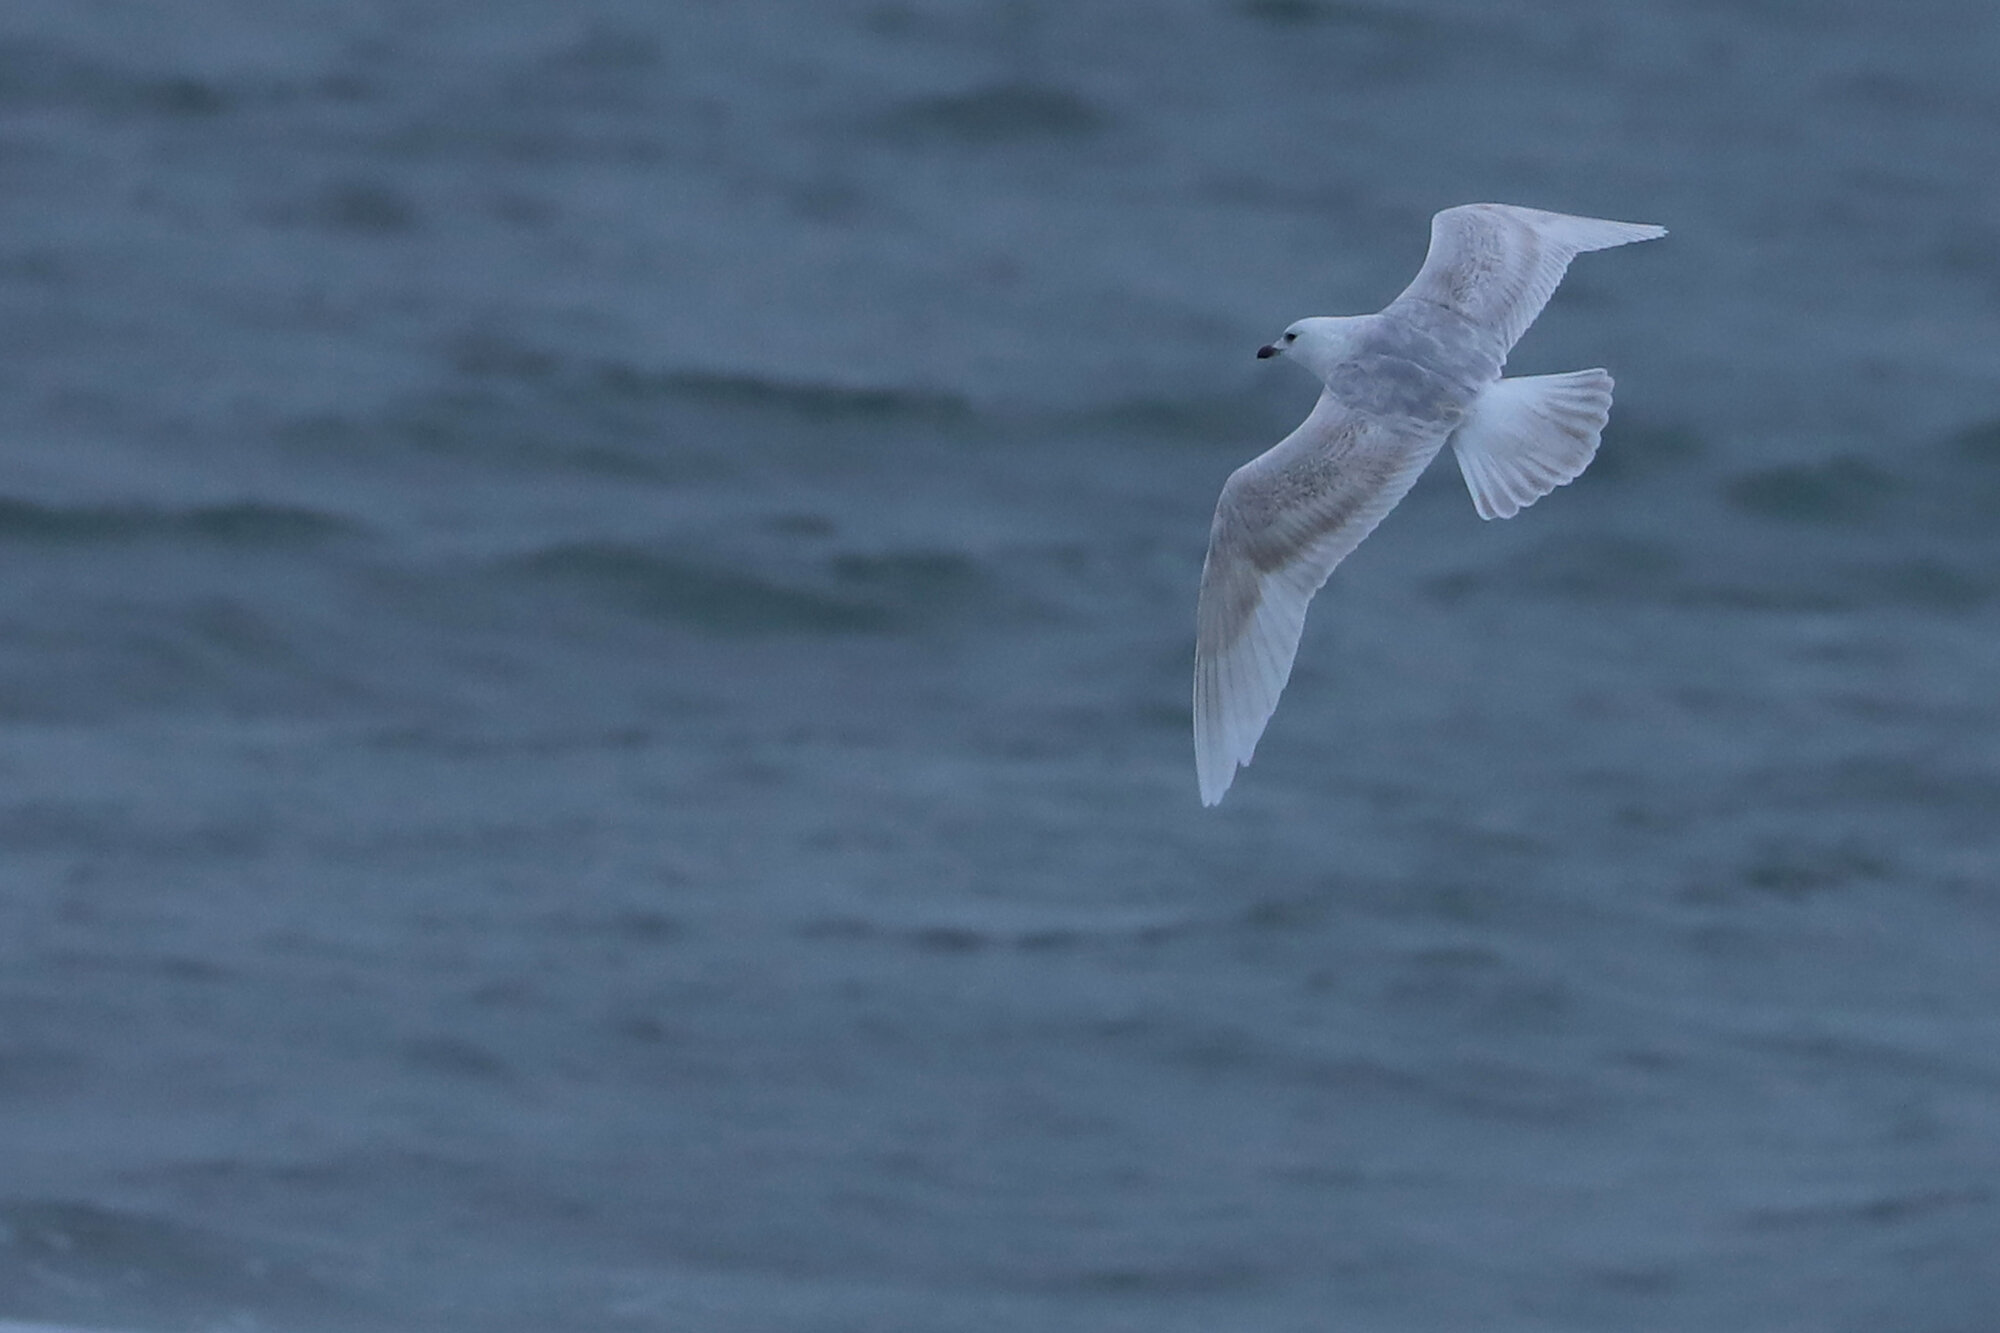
column 1399, row 384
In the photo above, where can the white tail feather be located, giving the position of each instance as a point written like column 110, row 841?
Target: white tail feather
column 1524, row 437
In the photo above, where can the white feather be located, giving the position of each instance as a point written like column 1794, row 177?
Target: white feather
column 1524, row 437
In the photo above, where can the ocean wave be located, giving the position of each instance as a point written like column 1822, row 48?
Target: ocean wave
column 803, row 398
column 997, row 113
column 1835, row 490
column 43, row 74
column 75, row 1260
column 237, row 523
column 1220, row 421
column 1823, row 577
column 853, row 592
column 701, row 594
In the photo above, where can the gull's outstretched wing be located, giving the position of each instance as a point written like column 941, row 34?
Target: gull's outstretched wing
column 1285, row 519
column 1498, row 264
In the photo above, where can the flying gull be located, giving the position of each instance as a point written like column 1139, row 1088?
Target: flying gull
column 1399, row 384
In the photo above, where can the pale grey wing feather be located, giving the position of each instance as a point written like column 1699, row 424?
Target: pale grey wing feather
column 1497, row 264
column 1284, row 521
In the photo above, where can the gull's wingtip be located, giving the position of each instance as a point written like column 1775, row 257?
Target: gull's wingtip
column 1576, row 231
column 1213, row 770
column 1602, row 233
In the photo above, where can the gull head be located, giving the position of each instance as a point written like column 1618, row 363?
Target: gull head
column 1316, row 343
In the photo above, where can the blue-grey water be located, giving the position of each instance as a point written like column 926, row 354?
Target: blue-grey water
column 594, row 656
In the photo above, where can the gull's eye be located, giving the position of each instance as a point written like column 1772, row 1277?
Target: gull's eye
column 1291, row 337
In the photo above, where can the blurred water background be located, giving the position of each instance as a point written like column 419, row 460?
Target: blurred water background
column 594, row 663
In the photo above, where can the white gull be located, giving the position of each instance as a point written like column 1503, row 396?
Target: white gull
column 1399, row 384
